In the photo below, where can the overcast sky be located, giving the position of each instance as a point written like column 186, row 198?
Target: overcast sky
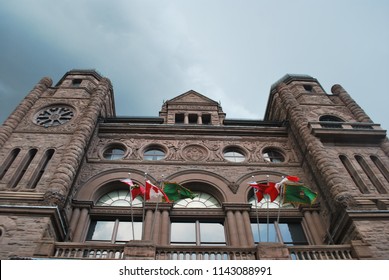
column 231, row 51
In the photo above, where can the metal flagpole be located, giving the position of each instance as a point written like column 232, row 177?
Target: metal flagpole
column 132, row 212
column 281, row 202
column 155, row 215
column 256, row 211
column 144, row 210
column 267, row 211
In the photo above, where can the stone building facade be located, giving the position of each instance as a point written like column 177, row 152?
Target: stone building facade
column 63, row 153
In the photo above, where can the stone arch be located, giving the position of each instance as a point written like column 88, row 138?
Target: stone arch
column 244, row 188
column 98, row 185
column 206, row 181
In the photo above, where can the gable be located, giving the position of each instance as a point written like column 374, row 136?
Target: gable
column 192, row 97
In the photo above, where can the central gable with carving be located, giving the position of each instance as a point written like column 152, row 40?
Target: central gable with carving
column 192, row 108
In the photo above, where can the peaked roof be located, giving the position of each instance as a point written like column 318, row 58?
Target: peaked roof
column 192, row 96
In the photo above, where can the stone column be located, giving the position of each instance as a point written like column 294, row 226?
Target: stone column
column 73, row 222
column 247, row 224
column 186, row 118
column 233, row 233
column 312, row 227
column 147, row 224
column 199, row 119
column 82, row 221
column 241, row 229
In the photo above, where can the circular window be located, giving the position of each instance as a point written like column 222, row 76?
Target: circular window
column 54, row 115
column 114, row 152
column 234, row 155
column 273, row 155
column 154, row 154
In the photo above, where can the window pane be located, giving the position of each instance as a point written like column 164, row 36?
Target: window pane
column 101, row 230
column 154, row 154
column 212, row 233
column 113, row 153
column 183, row 233
column 292, row 234
column 267, row 233
column 234, row 156
column 125, row 231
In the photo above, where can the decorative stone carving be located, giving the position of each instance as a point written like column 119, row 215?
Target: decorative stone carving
column 195, row 153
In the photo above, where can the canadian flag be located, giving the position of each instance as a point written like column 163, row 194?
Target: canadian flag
column 135, row 189
column 154, row 191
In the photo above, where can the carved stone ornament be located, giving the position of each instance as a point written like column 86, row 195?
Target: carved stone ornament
column 54, row 115
column 195, row 153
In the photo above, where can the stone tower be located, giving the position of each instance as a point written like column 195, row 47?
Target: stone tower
column 43, row 143
column 344, row 151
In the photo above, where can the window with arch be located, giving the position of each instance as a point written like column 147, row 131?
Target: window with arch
column 112, row 228
column 329, row 121
column 198, row 231
column 114, row 152
column 273, row 155
column 234, row 154
column 154, row 153
column 119, row 198
column 8, row 162
column 202, row 200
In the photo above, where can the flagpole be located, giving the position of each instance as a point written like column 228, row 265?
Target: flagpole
column 281, row 202
column 155, row 214
column 267, row 211
column 144, row 209
column 132, row 212
column 256, row 211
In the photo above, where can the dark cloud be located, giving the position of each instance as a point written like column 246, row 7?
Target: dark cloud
column 231, row 51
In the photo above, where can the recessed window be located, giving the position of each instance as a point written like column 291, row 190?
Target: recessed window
column 76, row 82
column 114, row 152
column 179, row 118
column 197, row 233
column 330, row 121
column 115, row 231
column 154, row 154
column 286, row 233
column 273, row 155
column 206, row 118
column 193, row 118
column 234, row 155
column 308, row 87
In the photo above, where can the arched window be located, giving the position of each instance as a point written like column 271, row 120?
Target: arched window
column 154, row 153
column 370, row 174
column 114, row 152
column 354, row 174
column 202, row 200
column 119, row 198
column 8, row 162
column 273, row 155
column 328, row 121
column 234, row 154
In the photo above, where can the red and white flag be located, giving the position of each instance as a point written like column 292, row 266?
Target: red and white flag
column 154, row 191
column 135, row 189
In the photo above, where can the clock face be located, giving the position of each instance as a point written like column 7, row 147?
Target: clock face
column 54, row 116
